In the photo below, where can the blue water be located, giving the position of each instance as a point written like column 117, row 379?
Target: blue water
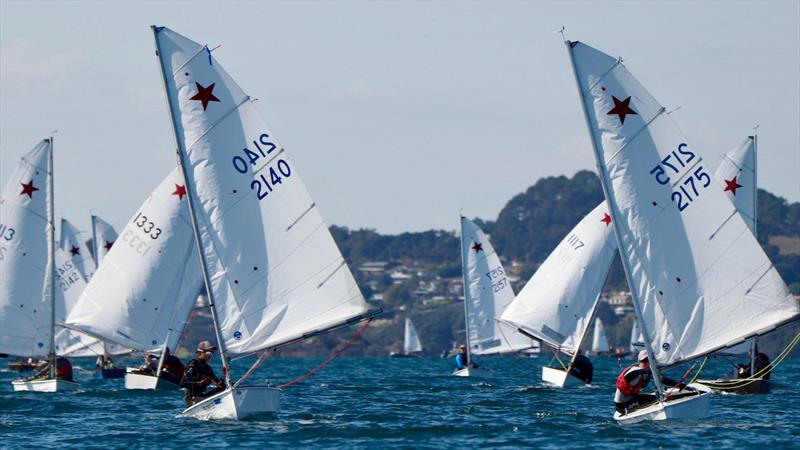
column 374, row 402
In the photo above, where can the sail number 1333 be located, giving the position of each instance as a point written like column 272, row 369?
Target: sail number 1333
column 691, row 179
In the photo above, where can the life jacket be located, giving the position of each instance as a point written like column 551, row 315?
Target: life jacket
column 626, row 388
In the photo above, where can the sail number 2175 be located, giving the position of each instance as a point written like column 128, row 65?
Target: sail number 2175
column 690, row 178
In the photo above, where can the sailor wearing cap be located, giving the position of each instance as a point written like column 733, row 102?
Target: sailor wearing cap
column 199, row 375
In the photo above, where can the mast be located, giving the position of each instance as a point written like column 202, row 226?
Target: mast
column 51, row 254
column 203, row 264
column 613, row 209
column 466, row 299
column 753, row 342
column 95, row 255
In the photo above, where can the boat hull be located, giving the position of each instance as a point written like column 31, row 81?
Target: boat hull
column 472, row 372
column 559, row 377
column 236, row 403
column 734, row 386
column 112, row 373
column 691, row 407
column 44, row 385
column 141, row 381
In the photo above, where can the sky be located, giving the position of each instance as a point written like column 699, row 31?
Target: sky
column 398, row 115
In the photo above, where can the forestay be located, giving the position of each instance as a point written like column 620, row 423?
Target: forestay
column 150, row 278
column 599, row 338
column 558, row 302
column 736, row 175
column 73, row 243
column 411, row 341
column 24, row 305
column 275, row 271
column 487, row 294
column 699, row 279
column 103, row 238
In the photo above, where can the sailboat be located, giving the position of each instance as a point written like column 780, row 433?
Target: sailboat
column 636, row 342
column 738, row 178
column 411, row 343
column 75, row 245
column 273, row 273
column 558, row 303
column 487, row 293
column 142, row 293
column 599, row 339
column 27, row 266
column 699, row 280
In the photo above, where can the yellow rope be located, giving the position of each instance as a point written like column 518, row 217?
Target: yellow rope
column 699, row 370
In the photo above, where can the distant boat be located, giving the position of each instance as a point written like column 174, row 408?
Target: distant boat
column 273, row 273
column 599, row 338
column 637, row 341
column 487, row 293
column 689, row 257
column 142, row 293
column 558, row 303
column 411, row 343
column 29, row 282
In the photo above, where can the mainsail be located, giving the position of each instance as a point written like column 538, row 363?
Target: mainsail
column 411, row 341
column 736, row 175
column 148, row 282
column 487, row 294
column 636, row 342
column 73, row 243
column 103, row 238
column 69, row 285
column 699, row 279
column 599, row 339
column 558, row 303
column 25, row 303
column 275, row 272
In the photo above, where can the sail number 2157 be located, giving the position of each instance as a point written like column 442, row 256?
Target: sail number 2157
column 690, row 179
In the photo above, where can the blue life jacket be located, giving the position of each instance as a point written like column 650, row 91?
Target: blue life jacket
column 461, row 361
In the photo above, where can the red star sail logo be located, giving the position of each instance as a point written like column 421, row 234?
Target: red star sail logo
column 108, row 245
column 732, row 185
column 606, row 219
column 621, row 108
column 204, row 94
column 75, row 251
column 478, row 247
column 180, row 191
column 28, row 188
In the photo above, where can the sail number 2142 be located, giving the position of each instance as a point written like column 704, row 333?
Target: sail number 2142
column 689, row 177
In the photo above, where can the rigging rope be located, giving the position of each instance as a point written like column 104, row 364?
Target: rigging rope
column 517, row 353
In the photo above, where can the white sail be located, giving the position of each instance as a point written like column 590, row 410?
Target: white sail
column 736, row 175
column 74, row 243
column 558, row 302
column 636, row 342
column 69, row 285
column 411, row 341
column 24, row 304
column 149, row 280
column 487, row 294
column 103, row 236
column 599, row 338
column 700, row 280
column 275, row 271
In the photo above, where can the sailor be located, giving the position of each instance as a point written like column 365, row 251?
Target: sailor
column 761, row 366
column 63, row 370
column 582, row 368
column 632, row 380
column 461, row 359
column 172, row 368
column 199, row 375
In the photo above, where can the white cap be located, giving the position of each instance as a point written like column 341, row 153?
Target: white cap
column 642, row 355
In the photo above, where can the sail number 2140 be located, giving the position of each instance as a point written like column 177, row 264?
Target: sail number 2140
column 690, row 179
column 267, row 177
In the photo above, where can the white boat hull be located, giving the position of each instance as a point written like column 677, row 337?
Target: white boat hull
column 683, row 408
column 236, row 403
column 143, row 381
column 472, row 372
column 559, row 377
column 44, row 385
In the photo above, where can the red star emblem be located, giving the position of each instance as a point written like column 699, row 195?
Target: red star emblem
column 204, row 94
column 621, row 108
column 180, row 191
column 478, row 247
column 732, row 185
column 75, row 251
column 606, row 219
column 28, row 188
column 108, row 245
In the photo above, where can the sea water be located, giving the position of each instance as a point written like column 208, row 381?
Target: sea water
column 409, row 402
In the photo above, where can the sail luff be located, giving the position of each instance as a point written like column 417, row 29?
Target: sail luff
column 616, row 219
column 180, row 150
column 466, row 292
column 51, row 250
column 754, row 342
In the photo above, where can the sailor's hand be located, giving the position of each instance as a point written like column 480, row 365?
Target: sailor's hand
column 205, row 382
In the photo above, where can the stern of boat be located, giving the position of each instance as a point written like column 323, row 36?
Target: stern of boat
column 43, row 385
column 236, row 403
